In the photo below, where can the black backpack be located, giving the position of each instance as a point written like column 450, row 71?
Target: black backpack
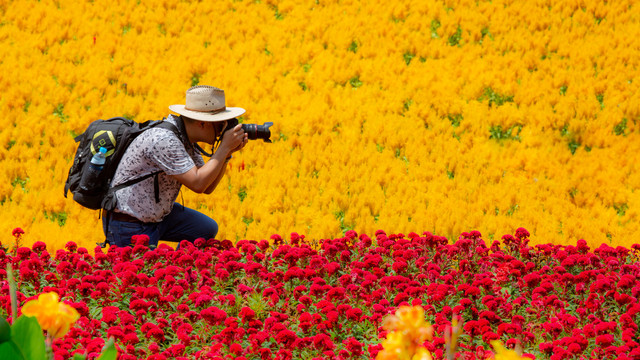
column 115, row 135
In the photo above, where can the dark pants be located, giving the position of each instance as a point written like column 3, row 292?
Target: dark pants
column 181, row 224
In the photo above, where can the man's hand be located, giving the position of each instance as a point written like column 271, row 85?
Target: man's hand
column 234, row 140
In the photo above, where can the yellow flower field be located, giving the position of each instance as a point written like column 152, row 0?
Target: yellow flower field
column 441, row 116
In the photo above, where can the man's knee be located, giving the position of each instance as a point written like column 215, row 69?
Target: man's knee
column 212, row 230
column 207, row 228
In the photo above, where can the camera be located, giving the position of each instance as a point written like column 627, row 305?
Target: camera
column 254, row 131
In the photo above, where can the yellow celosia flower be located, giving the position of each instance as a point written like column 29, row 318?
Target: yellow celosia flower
column 53, row 316
column 515, row 104
column 503, row 353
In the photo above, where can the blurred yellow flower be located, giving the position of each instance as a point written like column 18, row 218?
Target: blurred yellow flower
column 410, row 320
column 422, row 354
column 451, row 335
column 503, row 353
column 408, row 330
column 53, row 316
column 395, row 347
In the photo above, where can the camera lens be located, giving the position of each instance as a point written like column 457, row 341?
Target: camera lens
column 256, row 131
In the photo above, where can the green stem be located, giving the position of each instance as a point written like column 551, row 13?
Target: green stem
column 12, row 291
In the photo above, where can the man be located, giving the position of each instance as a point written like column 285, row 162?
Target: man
column 148, row 207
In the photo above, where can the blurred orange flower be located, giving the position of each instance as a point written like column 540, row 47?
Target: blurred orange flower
column 53, row 316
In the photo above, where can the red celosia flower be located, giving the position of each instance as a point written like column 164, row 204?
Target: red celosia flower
column 71, row 246
column 286, row 337
column 247, row 314
column 354, row 314
column 213, row 315
column 115, row 332
column 604, row 340
column 353, row 346
column 522, row 233
column 323, row 342
column 235, row 349
column 39, row 247
column 142, row 240
column 472, row 291
column 23, row 253
column 110, row 314
column 17, row 232
column 277, row 239
column 156, row 333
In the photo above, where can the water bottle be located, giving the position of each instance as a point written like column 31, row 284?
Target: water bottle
column 90, row 178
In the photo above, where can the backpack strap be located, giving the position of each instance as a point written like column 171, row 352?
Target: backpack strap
column 132, row 181
column 156, row 187
column 181, row 132
column 178, row 129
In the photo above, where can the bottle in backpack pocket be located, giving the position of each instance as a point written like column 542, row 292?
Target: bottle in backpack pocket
column 90, row 181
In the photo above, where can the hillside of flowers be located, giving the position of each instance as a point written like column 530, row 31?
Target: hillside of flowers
column 405, row 115
column 291, row 298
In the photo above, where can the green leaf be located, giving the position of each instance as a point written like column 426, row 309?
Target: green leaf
column 353, row 47
column 455, row 38
column 5, row 331
column 620, row 127
column 77, row 356
column 109, row 351
column 355, row 82
column 94, row 313
column 27, row 335
column 435, row 24
column 9, row 350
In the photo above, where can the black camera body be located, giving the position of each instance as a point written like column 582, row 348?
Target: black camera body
column 254, row 131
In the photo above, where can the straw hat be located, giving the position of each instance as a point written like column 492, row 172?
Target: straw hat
column 206, row 103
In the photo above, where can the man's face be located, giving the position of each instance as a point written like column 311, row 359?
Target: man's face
column 218, row 127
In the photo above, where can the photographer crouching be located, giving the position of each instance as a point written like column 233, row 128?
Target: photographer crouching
column 149, row 206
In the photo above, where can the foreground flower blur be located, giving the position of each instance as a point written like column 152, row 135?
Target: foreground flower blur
column 408, row 331
column 503, row 353
column 53, row 316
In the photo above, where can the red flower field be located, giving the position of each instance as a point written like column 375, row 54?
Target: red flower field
column 295, row 299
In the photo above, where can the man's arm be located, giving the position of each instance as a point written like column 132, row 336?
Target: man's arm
column 205, row 178
column 217, row 180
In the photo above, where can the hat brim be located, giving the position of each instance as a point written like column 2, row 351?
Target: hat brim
column 228, row 113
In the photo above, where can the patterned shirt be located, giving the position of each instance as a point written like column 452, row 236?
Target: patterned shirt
column 153, row 150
